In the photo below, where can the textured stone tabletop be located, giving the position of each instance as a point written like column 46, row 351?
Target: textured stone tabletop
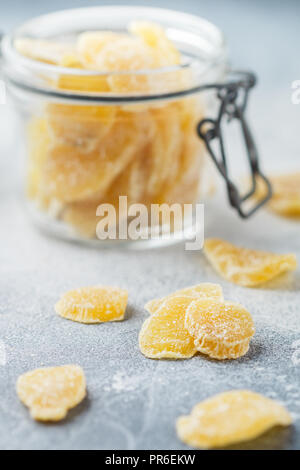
column 132, row 401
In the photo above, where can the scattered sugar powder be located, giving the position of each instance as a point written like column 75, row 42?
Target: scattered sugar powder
column 2, row 353
column 296, row 344
column 296, row 354
column 296, row 357
column 122, row 382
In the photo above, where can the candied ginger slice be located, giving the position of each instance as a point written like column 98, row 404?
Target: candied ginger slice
column 165, row 149
column 93, row 83
column 285, row 199
column 51, row 391
column 153, row 35
column 203, row 290
column 72, row 173
column 244, row 266
column 90, row 44
column 44, row 51
column 93, row 304
column 163, row 334
column 81, row 126
column 222, row 330
column 82, row 217
column 229, row 418
column 125, row 55
column 71, row 60
column 38, row 143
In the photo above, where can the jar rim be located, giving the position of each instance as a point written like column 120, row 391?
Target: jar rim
column 21, row 71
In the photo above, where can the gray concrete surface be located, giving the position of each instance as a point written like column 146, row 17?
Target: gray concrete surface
column 132, row 401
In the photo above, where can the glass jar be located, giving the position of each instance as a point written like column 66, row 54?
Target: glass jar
column 91, row 136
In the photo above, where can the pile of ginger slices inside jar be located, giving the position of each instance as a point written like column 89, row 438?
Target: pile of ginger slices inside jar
column 81, row 156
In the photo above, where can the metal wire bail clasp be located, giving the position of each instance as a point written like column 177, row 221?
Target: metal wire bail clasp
column 233, row 97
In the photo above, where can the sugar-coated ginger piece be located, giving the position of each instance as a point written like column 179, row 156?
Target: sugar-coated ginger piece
column 88, row 83
column 38, row 144
column 83, row 155
column 95, row 304
column 285, row 199
column 222, row 330
column 127, row 55
column 203, row 290
column 80, row 126
column 163, row 334
column 244, row 266
column 71, row 173
column 230, row 418
column 82, row 217
column 90, row 44
column 51, row 391
column 153, row 35
column 44, row 50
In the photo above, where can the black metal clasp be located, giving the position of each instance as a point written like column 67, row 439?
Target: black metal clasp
column 233, row 97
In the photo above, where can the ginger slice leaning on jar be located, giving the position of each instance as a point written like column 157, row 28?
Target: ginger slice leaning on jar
column 244, row 266
column 285, row 200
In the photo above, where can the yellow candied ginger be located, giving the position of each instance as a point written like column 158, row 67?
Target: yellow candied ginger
column 44, row 50
column 163, row 334
column 38, row 142
column 164, row 55
column 163, row 51
column 165, row 152
column 285, row 199
column 79, row 125
column 114, row 52
column 90, row 44
column 203, row 290
column 244, row 266
column 222, row 330
column 82, row 217
column 230, row 418
column 146, row 48
column 51, row 391
column 94, row 304
column 85, row 83
column 72, row 173
column 89, row 154
column 126, row 55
